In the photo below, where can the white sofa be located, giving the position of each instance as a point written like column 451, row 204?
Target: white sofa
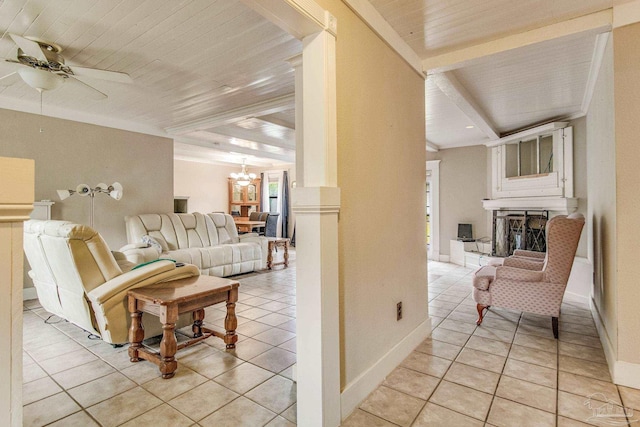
column 209, row 241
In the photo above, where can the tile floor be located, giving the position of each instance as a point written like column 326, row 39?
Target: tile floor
column 509, row 372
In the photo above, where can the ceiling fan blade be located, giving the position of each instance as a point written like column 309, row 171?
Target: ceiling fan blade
column 29, row 47
column 9, row 79
column 91, row 91
column 95, row 73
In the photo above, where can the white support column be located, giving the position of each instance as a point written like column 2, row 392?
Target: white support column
column 16, row 203
column 316, row 205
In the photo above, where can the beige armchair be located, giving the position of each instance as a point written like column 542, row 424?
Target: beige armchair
column 527, row 283
column 78, row 278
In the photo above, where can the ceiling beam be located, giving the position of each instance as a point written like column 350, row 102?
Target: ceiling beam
column 262, row 108
column 299, row 18
column 431, row 147
column 458, row 94
column 598, row 21
column 247, row 135
column 220, row 143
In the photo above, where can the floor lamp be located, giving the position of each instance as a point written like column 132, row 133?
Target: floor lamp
column 114, row 191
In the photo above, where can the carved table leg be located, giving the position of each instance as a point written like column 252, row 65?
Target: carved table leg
column 286, row 254
column 270, row 255
column 136, row 331
column 231, row 322
column 198, row 317
column 169, row 344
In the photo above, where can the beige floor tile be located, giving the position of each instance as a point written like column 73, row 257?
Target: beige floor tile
column 504, row 314
column 578, row 329
column 82, row 374
column 55, row 350
column 458, row 326
column 79, row 419
column 584, row 386
column 574, row 407
column 527, row 393
column 536, row 357
column 274, row 336
column 531, row 373
column 243, row 378
column 291, row 413
column 289, row 326
column 443, row 304
column 280, row 422
column 39, row 389
column 34, row 339
column 288, row 373
column 48, row 410
column 123, row 407
column 274, row 306
column 462, row 399
column 274, row 319
column 488, row 346
column 275, row 360
column 630, row 398
column 494, row 334
column 203, row 400
column 439, row 348
column 141, row 372
column 275, row 394
column 393, row 406
column 427, row 364
column 184, row 379
column 544, row 332
column 160, row 416
column 464, row 317
column 411, row 382
column 436, row 416
column 100, row 389
column 255, row 301
column 478, row 379
column 67, row 361
column 480, row 359
column 254, row 313
column 496, row 323
column 580, row 339
column 584, row 367
column 568, row 422
column 252, row 328
column 290, row 345
column 451, row 337
column 580, row 320
column 32, row 372
column 505, row 413
column 240, row 413
column 211, row 365
column 537, row 343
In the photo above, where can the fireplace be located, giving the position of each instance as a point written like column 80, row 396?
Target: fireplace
column 518, row 229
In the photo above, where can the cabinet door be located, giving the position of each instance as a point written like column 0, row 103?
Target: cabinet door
column 252, row 193
column 236, row 194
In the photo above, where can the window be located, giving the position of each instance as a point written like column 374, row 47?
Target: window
column 531, row 157
column 273, row 195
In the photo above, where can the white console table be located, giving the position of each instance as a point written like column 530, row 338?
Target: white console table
column 469, row 254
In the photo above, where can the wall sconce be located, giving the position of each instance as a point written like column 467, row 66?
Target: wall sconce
column 114, row 191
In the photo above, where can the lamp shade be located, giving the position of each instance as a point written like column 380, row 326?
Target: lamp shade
column 40, row 79
column 63, row 194
column 83, row 190
column 116, row 191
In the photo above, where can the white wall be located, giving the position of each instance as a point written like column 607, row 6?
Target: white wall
column 69, row 153
column 206, row 185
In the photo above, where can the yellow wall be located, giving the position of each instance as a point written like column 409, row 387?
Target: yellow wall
column 381, row 175
column 627, row 130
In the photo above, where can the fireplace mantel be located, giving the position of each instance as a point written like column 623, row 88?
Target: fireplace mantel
column 561, row 205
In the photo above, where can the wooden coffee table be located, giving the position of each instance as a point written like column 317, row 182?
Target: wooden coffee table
column 274, row 243
column 168, row 301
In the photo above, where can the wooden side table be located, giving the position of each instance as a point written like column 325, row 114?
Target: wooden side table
column 278, row 242
column 168, row 301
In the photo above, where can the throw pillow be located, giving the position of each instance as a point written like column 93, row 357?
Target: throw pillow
column 152, row 242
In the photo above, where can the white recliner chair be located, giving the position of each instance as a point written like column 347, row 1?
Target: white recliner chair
column 79, row 279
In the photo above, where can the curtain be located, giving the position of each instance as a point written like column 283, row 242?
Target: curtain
column 264, row 193
column 284, row 210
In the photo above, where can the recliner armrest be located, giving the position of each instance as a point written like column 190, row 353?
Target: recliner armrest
column 138, row 253
column 157, row 272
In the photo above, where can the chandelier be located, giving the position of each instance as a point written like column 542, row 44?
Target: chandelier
column 243, row 178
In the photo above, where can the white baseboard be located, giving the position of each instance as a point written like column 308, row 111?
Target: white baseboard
column 577, row 298
column 361, row 387
column 622, row 373
column 29, row 293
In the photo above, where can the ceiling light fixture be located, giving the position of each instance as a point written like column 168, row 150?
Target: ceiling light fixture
column 243, row 178
column 470, row 127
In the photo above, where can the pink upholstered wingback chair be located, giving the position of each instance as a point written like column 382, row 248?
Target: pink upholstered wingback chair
column 533, row 286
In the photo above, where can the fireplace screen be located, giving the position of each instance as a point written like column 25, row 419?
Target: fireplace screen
column 518, row 230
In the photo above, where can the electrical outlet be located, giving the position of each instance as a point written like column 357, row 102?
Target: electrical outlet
column 399, row 311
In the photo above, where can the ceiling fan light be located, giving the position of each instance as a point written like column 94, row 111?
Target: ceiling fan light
column 39, row 79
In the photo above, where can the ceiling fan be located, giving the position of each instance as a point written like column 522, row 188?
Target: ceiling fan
column 42, row 67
